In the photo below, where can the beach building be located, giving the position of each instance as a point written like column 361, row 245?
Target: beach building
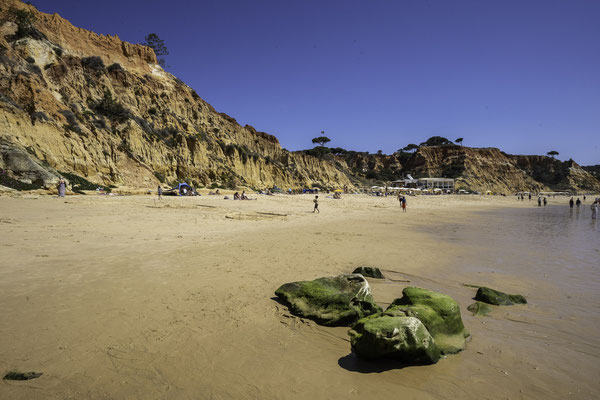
column 426, row 183
column 436, row 183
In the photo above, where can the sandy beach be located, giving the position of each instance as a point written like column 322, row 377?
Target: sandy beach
column 134, row 298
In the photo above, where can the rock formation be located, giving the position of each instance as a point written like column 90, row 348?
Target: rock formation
column 498, row 298
column 339, row 300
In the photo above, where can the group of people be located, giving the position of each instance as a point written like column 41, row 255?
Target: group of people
column 237, row 196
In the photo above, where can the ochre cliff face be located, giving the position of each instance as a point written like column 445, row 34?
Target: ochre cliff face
column 103, row 109
column 491, row 169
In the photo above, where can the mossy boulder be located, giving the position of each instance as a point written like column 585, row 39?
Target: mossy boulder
column 438, row 312
column 21, row 376
column 369, row 272
column 402, row 338
column 497, row 298
column 331, row 301
column 479, row 308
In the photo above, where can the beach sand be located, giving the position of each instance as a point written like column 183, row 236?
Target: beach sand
column 134, row 298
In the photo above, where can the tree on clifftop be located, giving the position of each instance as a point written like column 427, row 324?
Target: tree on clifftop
column 436, row 141
column 459, row 141
column 552, row 153
column 411, row 147
column 321, row 140
column 159, row 47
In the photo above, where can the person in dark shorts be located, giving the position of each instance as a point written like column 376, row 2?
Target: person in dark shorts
column 316, row 201
column 159, row 191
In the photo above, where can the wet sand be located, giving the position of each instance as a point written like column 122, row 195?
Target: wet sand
column 129, row 297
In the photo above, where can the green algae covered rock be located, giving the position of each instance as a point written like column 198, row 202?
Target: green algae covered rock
column 21, row 376
column 402, row 338
column 497, row 298
column 439, row 313
column 369, row 272
column 479, row 308
column 331, row 301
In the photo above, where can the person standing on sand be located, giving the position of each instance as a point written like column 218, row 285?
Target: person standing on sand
column 62, row 188
column 316, row 201
column 539, row 201
column 400, row 199
column 545, row 201
column 403, row 202
column 159, row 192
column 529, row 196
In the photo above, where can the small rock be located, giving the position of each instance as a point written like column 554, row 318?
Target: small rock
column 21, row 376
column 369, row 272
column 497, row 298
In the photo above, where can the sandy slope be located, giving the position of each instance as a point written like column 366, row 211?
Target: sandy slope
column 131, row 298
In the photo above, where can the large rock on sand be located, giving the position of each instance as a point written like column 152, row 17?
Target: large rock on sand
column 369, row 272
column 439, row 313
column 497, row 298
column 402, row 338
column 331, row 301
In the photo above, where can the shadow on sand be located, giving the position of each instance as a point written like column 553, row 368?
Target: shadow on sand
column 352, row 363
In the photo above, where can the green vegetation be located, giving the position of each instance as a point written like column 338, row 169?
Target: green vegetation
column 12, row 183
column 25, row 21
column 552, row 153
column 321, row 140
column 158, row 45
column 79, row 184
column 110, row 108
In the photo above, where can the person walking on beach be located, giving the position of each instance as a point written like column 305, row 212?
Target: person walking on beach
column 529, row 196
column 62, row 188
column 539, row 201
column 571, row 203
column 595, row 208
column 403, row 202
column 316, row 201
column 159, row 192
column 578, row 203
column 400, row 199
column 545, row 201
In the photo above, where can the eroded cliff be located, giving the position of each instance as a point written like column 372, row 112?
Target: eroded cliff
column 103, row 109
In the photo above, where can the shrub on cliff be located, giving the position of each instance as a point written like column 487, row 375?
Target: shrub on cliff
column 110, row 108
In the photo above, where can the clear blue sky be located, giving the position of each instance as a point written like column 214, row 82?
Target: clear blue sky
column 521, row 75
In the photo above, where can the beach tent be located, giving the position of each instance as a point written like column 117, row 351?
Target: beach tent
column 181, row 187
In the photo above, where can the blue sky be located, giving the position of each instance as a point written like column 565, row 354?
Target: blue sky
column 521, row 75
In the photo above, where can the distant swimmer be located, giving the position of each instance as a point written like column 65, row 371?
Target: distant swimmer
column 571, row 203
